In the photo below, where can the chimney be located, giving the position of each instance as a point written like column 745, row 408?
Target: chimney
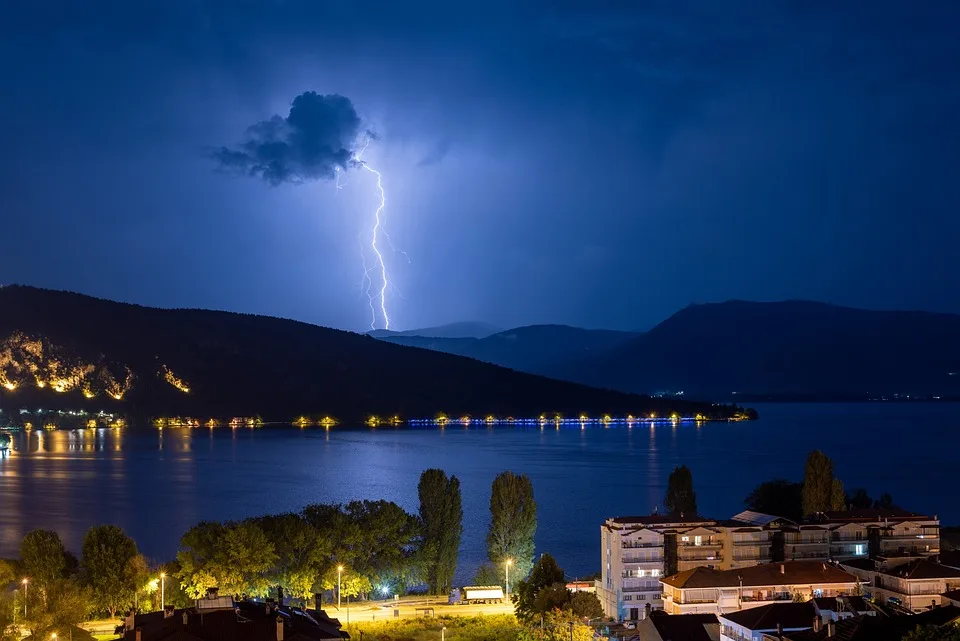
column 783, row 569
column 817, row 622
column 279, row 628
column 137, row 634
column 185, row 618
column 831, row 629
column 279, row 595
column 317, row 601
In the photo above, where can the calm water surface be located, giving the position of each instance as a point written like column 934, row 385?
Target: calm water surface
column 156, row 484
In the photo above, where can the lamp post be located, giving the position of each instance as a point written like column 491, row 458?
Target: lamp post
column 339, row 575
column 163, row 575
column 506, row 571
column 443, row 633
column 26, row 584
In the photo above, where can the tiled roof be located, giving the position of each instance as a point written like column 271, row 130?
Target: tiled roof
column 923, row 569
column 879, row 628
column 767, row 617
column 661, row 519
column 685, row 627
column 769, row 574
column 876, row 514
column 249, row 622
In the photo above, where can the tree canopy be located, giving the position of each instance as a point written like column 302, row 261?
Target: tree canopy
column 441, row 520
column 779, row 497
column 513, row 524
column 680, row 497
column 818, row 487
column 544, row 592
column 43, row 560
column 106, row 567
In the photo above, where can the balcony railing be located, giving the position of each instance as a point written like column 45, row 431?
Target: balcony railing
column 849, row 538
column 716, row 556
column 751, row 557
column 780, row 596
column 632, row 559
column 645, row 588
column 636, row 544
column 702, row 544
column 758, row 542
column 806, row 542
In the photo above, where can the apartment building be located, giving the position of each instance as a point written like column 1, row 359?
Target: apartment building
column 915, row 584
column 637, row 551
column 706, row 591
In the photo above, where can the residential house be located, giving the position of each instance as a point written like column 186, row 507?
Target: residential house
column 774, row 618
column 878, row 628
column 842, row 607
column 637, row 551
column 915, row 584
column 704, row 590
column 217, row 618
column 660, row 626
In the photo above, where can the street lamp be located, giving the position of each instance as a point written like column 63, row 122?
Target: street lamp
column 26, row 584
column 443, row 631
column 339, row 575
column 163, row 575
column 506, row 570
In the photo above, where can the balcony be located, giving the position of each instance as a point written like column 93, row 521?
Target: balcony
column 807, row 542
column 705, row 556
column 638, row 544
column 641, row 588
column 851, row 539
column 756, row 543
column 702, row 544
column 780, row 596
column 637, row 559
column 751, row 557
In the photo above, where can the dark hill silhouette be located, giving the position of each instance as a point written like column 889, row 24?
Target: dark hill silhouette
column 792, row 347
column 539, row 349
column 242, row 365
column 464, row 329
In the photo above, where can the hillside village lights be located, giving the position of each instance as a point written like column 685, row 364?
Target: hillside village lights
column 506, row 570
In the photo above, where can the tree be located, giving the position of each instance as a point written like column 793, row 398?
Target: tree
column 513, row 524
column 778, row 497
column 43, row 560
column 885, row 501
column 235, row 557
column 302, row 554
column 838, row 499
column 104, row 566
column 586, row 605
column 680, row 498
column 68, row 604
column 557, row 625
column 544, row 574
column 859, row 499
column 817, row 483
column 934, row 633
column 441, row 520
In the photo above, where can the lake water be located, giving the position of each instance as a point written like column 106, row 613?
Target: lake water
column 156, row 484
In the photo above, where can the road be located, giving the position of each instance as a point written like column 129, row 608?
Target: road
column 384, row 610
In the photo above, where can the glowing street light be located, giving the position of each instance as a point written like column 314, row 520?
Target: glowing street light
column 26, row 584
column 163, row 575
column 339, row 575
column 506, row 569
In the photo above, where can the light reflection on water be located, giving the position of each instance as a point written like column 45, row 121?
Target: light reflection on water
column 156, row 483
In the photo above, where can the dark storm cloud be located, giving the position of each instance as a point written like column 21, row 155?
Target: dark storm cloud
column 317, row 138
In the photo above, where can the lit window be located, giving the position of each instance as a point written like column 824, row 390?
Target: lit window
column 685, row 538
column 654, row 572
column 641, row 572
column 698, row 540
column 858, row 549
column 628, row 598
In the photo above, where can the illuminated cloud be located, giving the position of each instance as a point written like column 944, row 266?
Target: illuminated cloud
column 317, row 138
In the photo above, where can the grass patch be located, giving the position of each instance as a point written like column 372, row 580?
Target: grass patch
column 498, row 627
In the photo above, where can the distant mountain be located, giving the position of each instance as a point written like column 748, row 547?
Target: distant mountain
column 540, row 349
column 452, row 330
column 64, row 350
column 792, row 347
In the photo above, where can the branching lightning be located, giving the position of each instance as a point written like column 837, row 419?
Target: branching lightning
column 379, row 266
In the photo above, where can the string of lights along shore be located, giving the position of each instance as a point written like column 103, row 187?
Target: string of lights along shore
column 320, row 139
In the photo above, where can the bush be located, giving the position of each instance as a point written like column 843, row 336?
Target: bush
column 501, row 627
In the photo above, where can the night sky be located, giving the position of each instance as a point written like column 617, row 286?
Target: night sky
column 598, row 164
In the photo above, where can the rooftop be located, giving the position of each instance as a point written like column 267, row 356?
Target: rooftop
column 873, row 514
column 950, row 558
column 835, row 604
column 770, row 574
column 879, row 628
column 685, row 627
column 661, row 519
column 790, row 615
column 757, row 518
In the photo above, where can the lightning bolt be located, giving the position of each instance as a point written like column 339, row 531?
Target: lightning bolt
column 366, row 282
